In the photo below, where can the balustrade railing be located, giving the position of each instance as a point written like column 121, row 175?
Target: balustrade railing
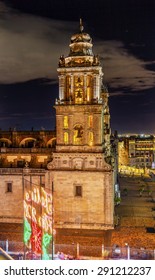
column 78, row 251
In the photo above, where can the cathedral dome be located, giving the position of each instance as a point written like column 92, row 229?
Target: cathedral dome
column 81, row 43
column 81, row 37
column 81, row 53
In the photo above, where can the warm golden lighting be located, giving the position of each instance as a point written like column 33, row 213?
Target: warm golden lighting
column 65, row 121
column 89, row 89
column 78, row 133
column 90, row 138
column 79, row 91
column 78, row 96
column 90, row 121
column 66, row 138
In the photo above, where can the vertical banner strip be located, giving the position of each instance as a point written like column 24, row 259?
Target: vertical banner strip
column 38, row 221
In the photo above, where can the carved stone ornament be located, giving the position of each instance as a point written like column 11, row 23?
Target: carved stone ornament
column 77, row 163
column 106, row 166
column 51, row 165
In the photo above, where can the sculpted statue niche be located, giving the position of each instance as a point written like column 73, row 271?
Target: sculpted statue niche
column 96, row 60
column 61, row 61
column 78, row 134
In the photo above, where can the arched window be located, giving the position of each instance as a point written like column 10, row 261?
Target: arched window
column 66, row 138
column 90, row 138
column 78, row 134
column 65, row 121
column 90, row 121
column 89, row 89
column 79, row 89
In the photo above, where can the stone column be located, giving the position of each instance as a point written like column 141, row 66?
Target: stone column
column 61, row 87
column 94, row 86
column 96, row 94
column 98, row 87
column 85, row 87
column 109, row 198
column 72, row 84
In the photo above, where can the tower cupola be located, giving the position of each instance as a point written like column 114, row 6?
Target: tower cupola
column 81, row 43
column 81, row 53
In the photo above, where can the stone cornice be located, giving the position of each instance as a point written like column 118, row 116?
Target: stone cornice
column 75, row 161
column 81, row 107
column 91, row 69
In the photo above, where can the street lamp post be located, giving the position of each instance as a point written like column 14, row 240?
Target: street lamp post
column 127, row 251
column 26, row 172
column 52, row 222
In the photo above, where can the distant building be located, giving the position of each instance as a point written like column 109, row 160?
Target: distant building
column 137, row 150
column 123, row 151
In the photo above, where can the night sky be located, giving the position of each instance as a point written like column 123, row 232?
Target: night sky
column 33, row 35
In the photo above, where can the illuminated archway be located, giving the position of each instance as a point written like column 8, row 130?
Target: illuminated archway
column 4, row 142
column 28, row 142
column 51, row 143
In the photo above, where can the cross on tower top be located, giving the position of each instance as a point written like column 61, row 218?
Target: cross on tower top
column 81, row 25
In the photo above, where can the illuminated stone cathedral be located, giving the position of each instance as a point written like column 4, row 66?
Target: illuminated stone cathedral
column 78, row 168
column 82, row 179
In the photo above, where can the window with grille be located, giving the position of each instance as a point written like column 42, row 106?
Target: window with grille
column 9, row 187
column 78, row 190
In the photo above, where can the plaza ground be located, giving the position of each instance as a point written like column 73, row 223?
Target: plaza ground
column 136, row 213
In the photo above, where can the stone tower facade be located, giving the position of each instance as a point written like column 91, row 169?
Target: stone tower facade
column 82, row 179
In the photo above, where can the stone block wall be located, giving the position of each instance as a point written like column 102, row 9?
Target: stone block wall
column 11, row 200
column 93, row 209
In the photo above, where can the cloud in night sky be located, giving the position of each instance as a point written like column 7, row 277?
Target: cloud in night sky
column 30, row 47
column 123, row 70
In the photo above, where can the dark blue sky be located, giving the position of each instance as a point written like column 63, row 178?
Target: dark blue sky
column 34, row 33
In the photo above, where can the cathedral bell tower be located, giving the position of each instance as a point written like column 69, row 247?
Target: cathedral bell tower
column 80, row 107
column 82, row 178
